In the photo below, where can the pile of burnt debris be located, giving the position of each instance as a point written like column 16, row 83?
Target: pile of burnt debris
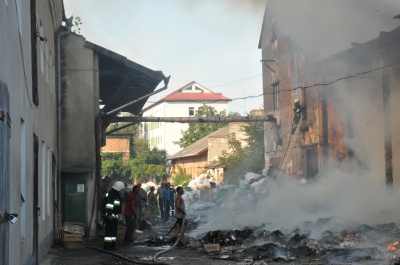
column 361, row 244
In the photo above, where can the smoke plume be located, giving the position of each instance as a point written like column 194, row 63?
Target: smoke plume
column 348, row 198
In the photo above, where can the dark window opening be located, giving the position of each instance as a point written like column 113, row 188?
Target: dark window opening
column 35, row 91
column 191, row 111
column 276, row 95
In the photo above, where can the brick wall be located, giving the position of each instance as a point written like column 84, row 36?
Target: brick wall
column 117, row 145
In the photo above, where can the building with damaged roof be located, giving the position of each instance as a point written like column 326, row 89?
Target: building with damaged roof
column 349, row 101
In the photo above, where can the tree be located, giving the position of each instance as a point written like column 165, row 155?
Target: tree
column 181, row 179
column 76, row 25
column 112, row 166
column 255, row 148
column 240, row 160
column 196, row 131
column 231, row 160
column 143, row 165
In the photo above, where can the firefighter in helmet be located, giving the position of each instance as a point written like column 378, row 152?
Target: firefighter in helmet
column 299, row 112
column 112, row 208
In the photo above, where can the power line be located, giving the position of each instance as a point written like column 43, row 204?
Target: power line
column 236, row 81
column 357, row 75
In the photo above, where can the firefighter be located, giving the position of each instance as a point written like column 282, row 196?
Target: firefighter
column 112, row 208
column 299, row 111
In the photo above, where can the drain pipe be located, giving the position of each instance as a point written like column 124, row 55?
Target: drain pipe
column 58, row 188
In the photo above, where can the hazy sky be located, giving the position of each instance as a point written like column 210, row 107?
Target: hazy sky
column 212, row 42
column 215, row 42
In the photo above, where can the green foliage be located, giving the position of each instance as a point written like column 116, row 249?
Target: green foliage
column 240, row 160
column 141, row 171
column 232, row 159
column 156, row 157
column 196, row 131
column 76, row 25
column 141, row 149
column 181, row 179
column 255, row 148
column 144, row 164
column 112, row 166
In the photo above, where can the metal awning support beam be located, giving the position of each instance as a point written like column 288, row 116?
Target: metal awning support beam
column 120, row 128
column 119, row 91
column 166, row 81
column 211, row 119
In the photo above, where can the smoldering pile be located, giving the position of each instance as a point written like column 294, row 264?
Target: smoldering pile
column 361, row 244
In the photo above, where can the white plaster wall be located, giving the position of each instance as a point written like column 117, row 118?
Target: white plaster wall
column 15, row 71
column 171, row 132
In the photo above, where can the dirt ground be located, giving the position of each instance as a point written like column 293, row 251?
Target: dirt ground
column 140, row 253
column 136, row 253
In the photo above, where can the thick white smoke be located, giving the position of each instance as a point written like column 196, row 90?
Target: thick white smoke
column 347, row 198
column 322, row 28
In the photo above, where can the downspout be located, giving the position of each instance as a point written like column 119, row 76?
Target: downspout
column 60, row 34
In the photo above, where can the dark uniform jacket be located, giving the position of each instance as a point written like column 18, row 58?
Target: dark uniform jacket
column 112, row 204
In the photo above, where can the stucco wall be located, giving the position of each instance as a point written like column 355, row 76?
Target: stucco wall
column 79, row 109
column 28, row 119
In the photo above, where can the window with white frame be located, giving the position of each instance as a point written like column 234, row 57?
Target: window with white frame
column 191, row 111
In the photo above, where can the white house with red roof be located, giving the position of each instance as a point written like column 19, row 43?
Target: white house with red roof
column 183, row 102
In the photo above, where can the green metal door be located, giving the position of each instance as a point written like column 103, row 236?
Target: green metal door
column 74, row 191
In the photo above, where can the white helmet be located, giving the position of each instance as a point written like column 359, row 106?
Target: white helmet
column 118, row 186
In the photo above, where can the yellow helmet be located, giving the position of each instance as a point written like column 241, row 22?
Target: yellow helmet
column 296, row 100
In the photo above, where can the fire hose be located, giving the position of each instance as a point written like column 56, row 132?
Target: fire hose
column 176, row 242
column 155, row 256
column 284, row 155
column 125, row 258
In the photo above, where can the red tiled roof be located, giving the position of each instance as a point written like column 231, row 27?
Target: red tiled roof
column 195, row 97
column 177, row 95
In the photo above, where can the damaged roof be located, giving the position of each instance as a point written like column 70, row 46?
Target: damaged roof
column 201, row 145
column 122, row 81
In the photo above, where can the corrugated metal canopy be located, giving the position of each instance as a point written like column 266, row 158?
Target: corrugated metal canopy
column 122, row 81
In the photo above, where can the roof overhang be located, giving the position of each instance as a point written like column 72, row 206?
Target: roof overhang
column 122, row 81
